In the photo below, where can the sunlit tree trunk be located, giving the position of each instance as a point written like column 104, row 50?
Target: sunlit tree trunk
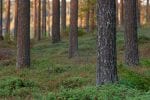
column 63, row 16
column 121, row 13
column 7, row 34
column 16, row 19
column 44, row 18
column 23, row 36
column 35, row 19
column 73, row 35
column 131, row 38
column 56, row 22
column 1, row 20
column 147, row 12
column 49, row 18
column 106, row 42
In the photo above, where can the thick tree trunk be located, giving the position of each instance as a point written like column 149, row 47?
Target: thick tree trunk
column 7, row 34
column 121, row 13
column 73, row 36
column 106, row 42
column 44, row 18
column 147, row 12
column 16, row 19
column 63, row 16
column 23, row 36
column 131, row 38
column 56, row 22
column 1, row 20
column 38, row 26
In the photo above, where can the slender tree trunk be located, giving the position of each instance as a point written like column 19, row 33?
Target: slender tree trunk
column 44, row 18
column 49, row 18
column 147, row 12
column 56, row 22
column 7, row 34
column 1, row 20
column 106, row 42
column 63, row 16
column 16, row 19
column 73, row 36
column 23, row 36
column 121, row 13
column 131, row 38
column 92, row 19
column 117, row 14
column 38, row 26
column 35, row 19
column 87, row 17
column 138, row 4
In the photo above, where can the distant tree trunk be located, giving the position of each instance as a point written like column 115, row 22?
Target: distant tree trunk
column 44, row 18
column 7, row 34
column 92, row 19
column 23, row 36
column 56, row 22
column 121, row 13
column 131, row 38
column 73, row 36
column 87, row 17
column 16, row 19
column 117, row 14
column 106, row 42
column 63, row 16
column 38, row 28
column 147, row 12
column 49, row 18
column 138, row 4
column 1, row 20
column 35, row 19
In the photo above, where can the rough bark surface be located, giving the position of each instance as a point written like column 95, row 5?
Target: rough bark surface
column 131, row 38
column 56, row 22
column 106, row 42
column 73, row 36
column 16, row 19
column 44, row 18
column 63, row 15
column 1, row 20
column 23, row 37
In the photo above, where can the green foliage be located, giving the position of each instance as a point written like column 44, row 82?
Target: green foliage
column 143, row 39
column 11, row 86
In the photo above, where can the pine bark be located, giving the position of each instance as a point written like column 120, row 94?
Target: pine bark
column 1, row 20
column 35, row 19
column 138, row 4
column 16, row 19
column 38, row 26
column 131, row 38
column 73, row 35
column 63, row 16
column 44, row 18
column 23, row 37
column 56, row 22
column 147, row 12
column 92, row 19
column 7, row 34
column 87, row 17
column 121, row 12
column 106, row 42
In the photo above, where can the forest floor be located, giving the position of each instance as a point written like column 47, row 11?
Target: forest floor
column 52, row 76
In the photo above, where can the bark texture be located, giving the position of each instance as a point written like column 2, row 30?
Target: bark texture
column 1, row 20
column 44, row 18
column 106, row 42
column 56, row 22
column 23, row 37
column 73, row 35
column 131, row 38
column 63, row 15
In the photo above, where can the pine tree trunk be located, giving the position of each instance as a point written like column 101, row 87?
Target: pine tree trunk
column 87, row 17
column 56, row 22
column 138, row 4
column 147, row 12
column 23, row 36
column 131, row 38
column 63, row 16
column 49, row 18
column 38, row 26
column 16, row 19
column 92, row 19
column 121, row 13
column 73, row 36
column 7, row 34
column 106, row 42
column 44, row 18
column 35, row 19
column 117, row 18
column 1, row 20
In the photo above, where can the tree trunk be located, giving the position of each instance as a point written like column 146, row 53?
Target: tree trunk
column 16, row 19
column 147, row 13
column 63, row 16
column 35, row 19
column 23, row 36
column 7, row 34
column 1, row 20
column 106, row 42
column 138, row 4
column 131, row 38
column 121, row 13
column 92, row 19
column 117, row 14
column 56, row 22
column 38, row 26
column 49, row 18
column 44, row 18
column 87, row 17
column 73, row 36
